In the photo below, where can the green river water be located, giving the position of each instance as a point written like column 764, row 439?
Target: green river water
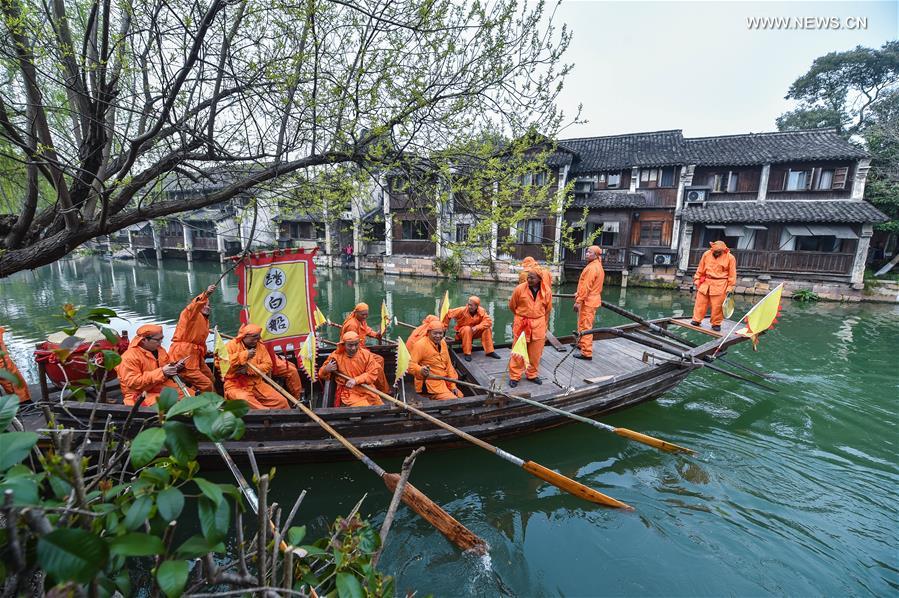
column 792, row 494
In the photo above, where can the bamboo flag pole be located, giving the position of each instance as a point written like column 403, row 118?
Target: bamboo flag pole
column 556, row 479
column 623, row 432
column 427, row 509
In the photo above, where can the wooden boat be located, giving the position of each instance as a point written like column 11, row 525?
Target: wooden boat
column 624, row 373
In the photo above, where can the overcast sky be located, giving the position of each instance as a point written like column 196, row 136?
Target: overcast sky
column 697, row 66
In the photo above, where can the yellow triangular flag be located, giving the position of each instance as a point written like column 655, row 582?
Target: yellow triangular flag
column 520, row 348
column 308, row 355
column 385, row 317
column 444, row 307
column 762, row 316
column 222, row 359
column 319, row 317
column 402, row 358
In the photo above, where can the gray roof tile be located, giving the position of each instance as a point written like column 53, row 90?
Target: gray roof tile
column 596, row 154
column 612, row 199
column 761, row 148
column 721, row 212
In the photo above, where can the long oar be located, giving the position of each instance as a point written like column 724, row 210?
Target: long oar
column 242, row 483
column 624, row 432
column 667, row 333
column 556, row 479
column 427, row 509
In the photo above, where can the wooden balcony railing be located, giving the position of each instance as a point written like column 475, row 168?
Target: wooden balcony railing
column 613, row 258
column 142, row 240
column 816, row 262
column 206, row 243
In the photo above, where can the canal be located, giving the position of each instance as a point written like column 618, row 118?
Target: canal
column 791, row 494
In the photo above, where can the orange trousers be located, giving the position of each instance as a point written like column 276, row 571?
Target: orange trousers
column 585, row 319
column 152, row 397
column 467, row 334
column 516, row 363
column 701, row 307
column 195, row 373
column 281, row 368
column 256, row 393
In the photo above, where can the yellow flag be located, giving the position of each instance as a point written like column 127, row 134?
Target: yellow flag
column 402, row 358
column 762, row 316
column 319, row 317
column 444, row 307
column 385, row 317
column 521, row 348
column 222, row 360
column 308, row 355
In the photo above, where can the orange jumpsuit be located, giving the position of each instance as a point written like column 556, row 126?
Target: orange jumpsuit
column 249, row 386
column 189, row 341
column 140, row 371
column 546, row 279
column 589, row 296
column 364, row 367
column 713, row 278
column 281, row 368
column 425, row 353
column 7, row 364
column 470, row 327
column 420, row 332
column 530, row 317
column 361, row 327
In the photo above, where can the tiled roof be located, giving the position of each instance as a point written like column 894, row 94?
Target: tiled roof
column 721, row 212
column 761, row 148
column 612, row 199
column 593, row 154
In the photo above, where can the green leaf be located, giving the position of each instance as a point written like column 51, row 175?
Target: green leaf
column 214, row 519
column 314, row 550
column 110, row 360
column 209, row 490
column 136, row 544
column 60, row 487
column 295, row 535
column 25, row 490
column 189, row 404
column 204, row 418
column 9, row 405
column 180, row 441
column 348, row 586
column 167, row 398
column 100, row 314
column 110, row 335
column 146, row 446
column 14, row 446
column 236, row 406
column 138, row 512
column 123, row 583
column 369, row 540
column 224, row 426
column 169, row 503
column 239, row 430
column 197, row 546
column 158, row 475
column 72, row 554
column 171, row 577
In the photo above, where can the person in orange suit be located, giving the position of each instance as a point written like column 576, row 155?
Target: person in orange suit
column 546, row 278
column 472, row 322
column 6, row 363
column 715, row 277
column 430, row 355
column 530, row 303
column 421, row 331
column 352, row 359
column 588, row 298
column 281, row 368
column 242, row 382
column 357, row 321
column 146, row 367
column 189, row 342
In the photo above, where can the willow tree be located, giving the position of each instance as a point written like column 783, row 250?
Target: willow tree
column 105, row 103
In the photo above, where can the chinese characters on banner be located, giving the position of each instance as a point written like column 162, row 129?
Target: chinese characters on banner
column 277, row 289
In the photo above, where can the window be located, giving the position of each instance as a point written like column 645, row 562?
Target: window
column 651, row 232
column 723, row 182
column 320, row 230
column 667, row 177
column 583, row 186
column 798, row 180
column 204, row 230
column 462, row 231
column 608, row 239
column 732, row 182
column 614, row 180
column 824, row 243
column 530, row 232
column 533, row 178
column 825, row 180
column 416, row 230
column 649, row 177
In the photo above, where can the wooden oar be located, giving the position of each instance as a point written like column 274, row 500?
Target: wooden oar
column 395, row 321
column 427, row 509
column 624, row 432
column 556, row 479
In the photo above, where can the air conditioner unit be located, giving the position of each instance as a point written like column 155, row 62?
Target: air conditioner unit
column 663, row 259
column 696, row 196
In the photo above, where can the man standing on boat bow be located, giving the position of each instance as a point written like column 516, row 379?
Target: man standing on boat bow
column 146, row 367
column 530, row 304
column 715, row 277
column 430, row 355
column 588, row 298
column 472, row 322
